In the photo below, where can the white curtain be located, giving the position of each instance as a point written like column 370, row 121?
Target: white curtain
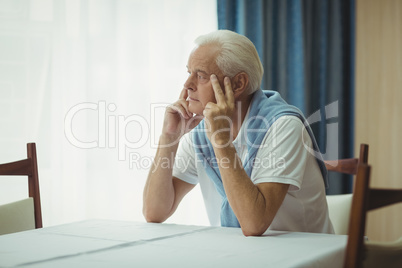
column 88, row 80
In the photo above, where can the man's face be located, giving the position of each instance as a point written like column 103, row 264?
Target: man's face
column 201, row 64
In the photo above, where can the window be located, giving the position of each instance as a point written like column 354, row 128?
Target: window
column 88, row 81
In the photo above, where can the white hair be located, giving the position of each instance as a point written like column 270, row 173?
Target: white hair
column 236, row 54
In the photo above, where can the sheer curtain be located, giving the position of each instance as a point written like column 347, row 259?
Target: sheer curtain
column 88, row 82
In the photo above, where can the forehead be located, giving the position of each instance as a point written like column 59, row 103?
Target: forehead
column 203, row 57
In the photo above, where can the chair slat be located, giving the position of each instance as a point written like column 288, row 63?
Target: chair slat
column 346, row 166
column 383, row 197
column 17, row 168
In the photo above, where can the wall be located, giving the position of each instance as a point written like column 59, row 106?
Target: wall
column 379, row 103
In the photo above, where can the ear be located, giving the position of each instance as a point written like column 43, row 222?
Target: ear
column 239, row 83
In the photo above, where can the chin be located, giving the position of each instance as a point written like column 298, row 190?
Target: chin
column 196, row 110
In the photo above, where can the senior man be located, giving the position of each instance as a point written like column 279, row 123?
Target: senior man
column 254, row 155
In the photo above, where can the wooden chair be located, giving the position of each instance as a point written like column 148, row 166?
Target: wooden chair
column 370, row 254
column 25, row 214
column 339, row 205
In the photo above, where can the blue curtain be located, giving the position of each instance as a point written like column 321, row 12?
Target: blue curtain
column 306, row 48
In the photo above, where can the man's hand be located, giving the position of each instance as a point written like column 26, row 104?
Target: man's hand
column 178, row 119
column 162, row 191
column 218, row 117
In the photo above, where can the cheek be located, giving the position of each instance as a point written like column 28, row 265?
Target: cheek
column 208, row 95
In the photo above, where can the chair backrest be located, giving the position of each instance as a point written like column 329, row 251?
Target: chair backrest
column 348, row 166
column 27, row 167
column 339, row 205
column 365, row 199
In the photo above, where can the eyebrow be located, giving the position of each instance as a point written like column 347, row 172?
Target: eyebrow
column 199, row 71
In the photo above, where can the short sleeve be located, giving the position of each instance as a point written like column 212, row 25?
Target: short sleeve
column 185, row 167
column 282, row 156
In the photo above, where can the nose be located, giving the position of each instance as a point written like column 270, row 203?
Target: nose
column 189, row 84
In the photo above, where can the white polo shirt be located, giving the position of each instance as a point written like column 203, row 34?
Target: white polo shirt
column 282, row 158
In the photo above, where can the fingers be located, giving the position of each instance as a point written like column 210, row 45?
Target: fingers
column 181, row 108
column 228, row 91
column 183, row 94
column 219, row 96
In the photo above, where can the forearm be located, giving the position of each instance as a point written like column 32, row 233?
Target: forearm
column 159, row 193
column 248, row 203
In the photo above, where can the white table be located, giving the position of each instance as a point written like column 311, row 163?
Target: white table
column 106, row 243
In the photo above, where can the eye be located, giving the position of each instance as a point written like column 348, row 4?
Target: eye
column 201, row 76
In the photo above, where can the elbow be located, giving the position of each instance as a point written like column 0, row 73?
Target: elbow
column 152, row 217
column 254, row 230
